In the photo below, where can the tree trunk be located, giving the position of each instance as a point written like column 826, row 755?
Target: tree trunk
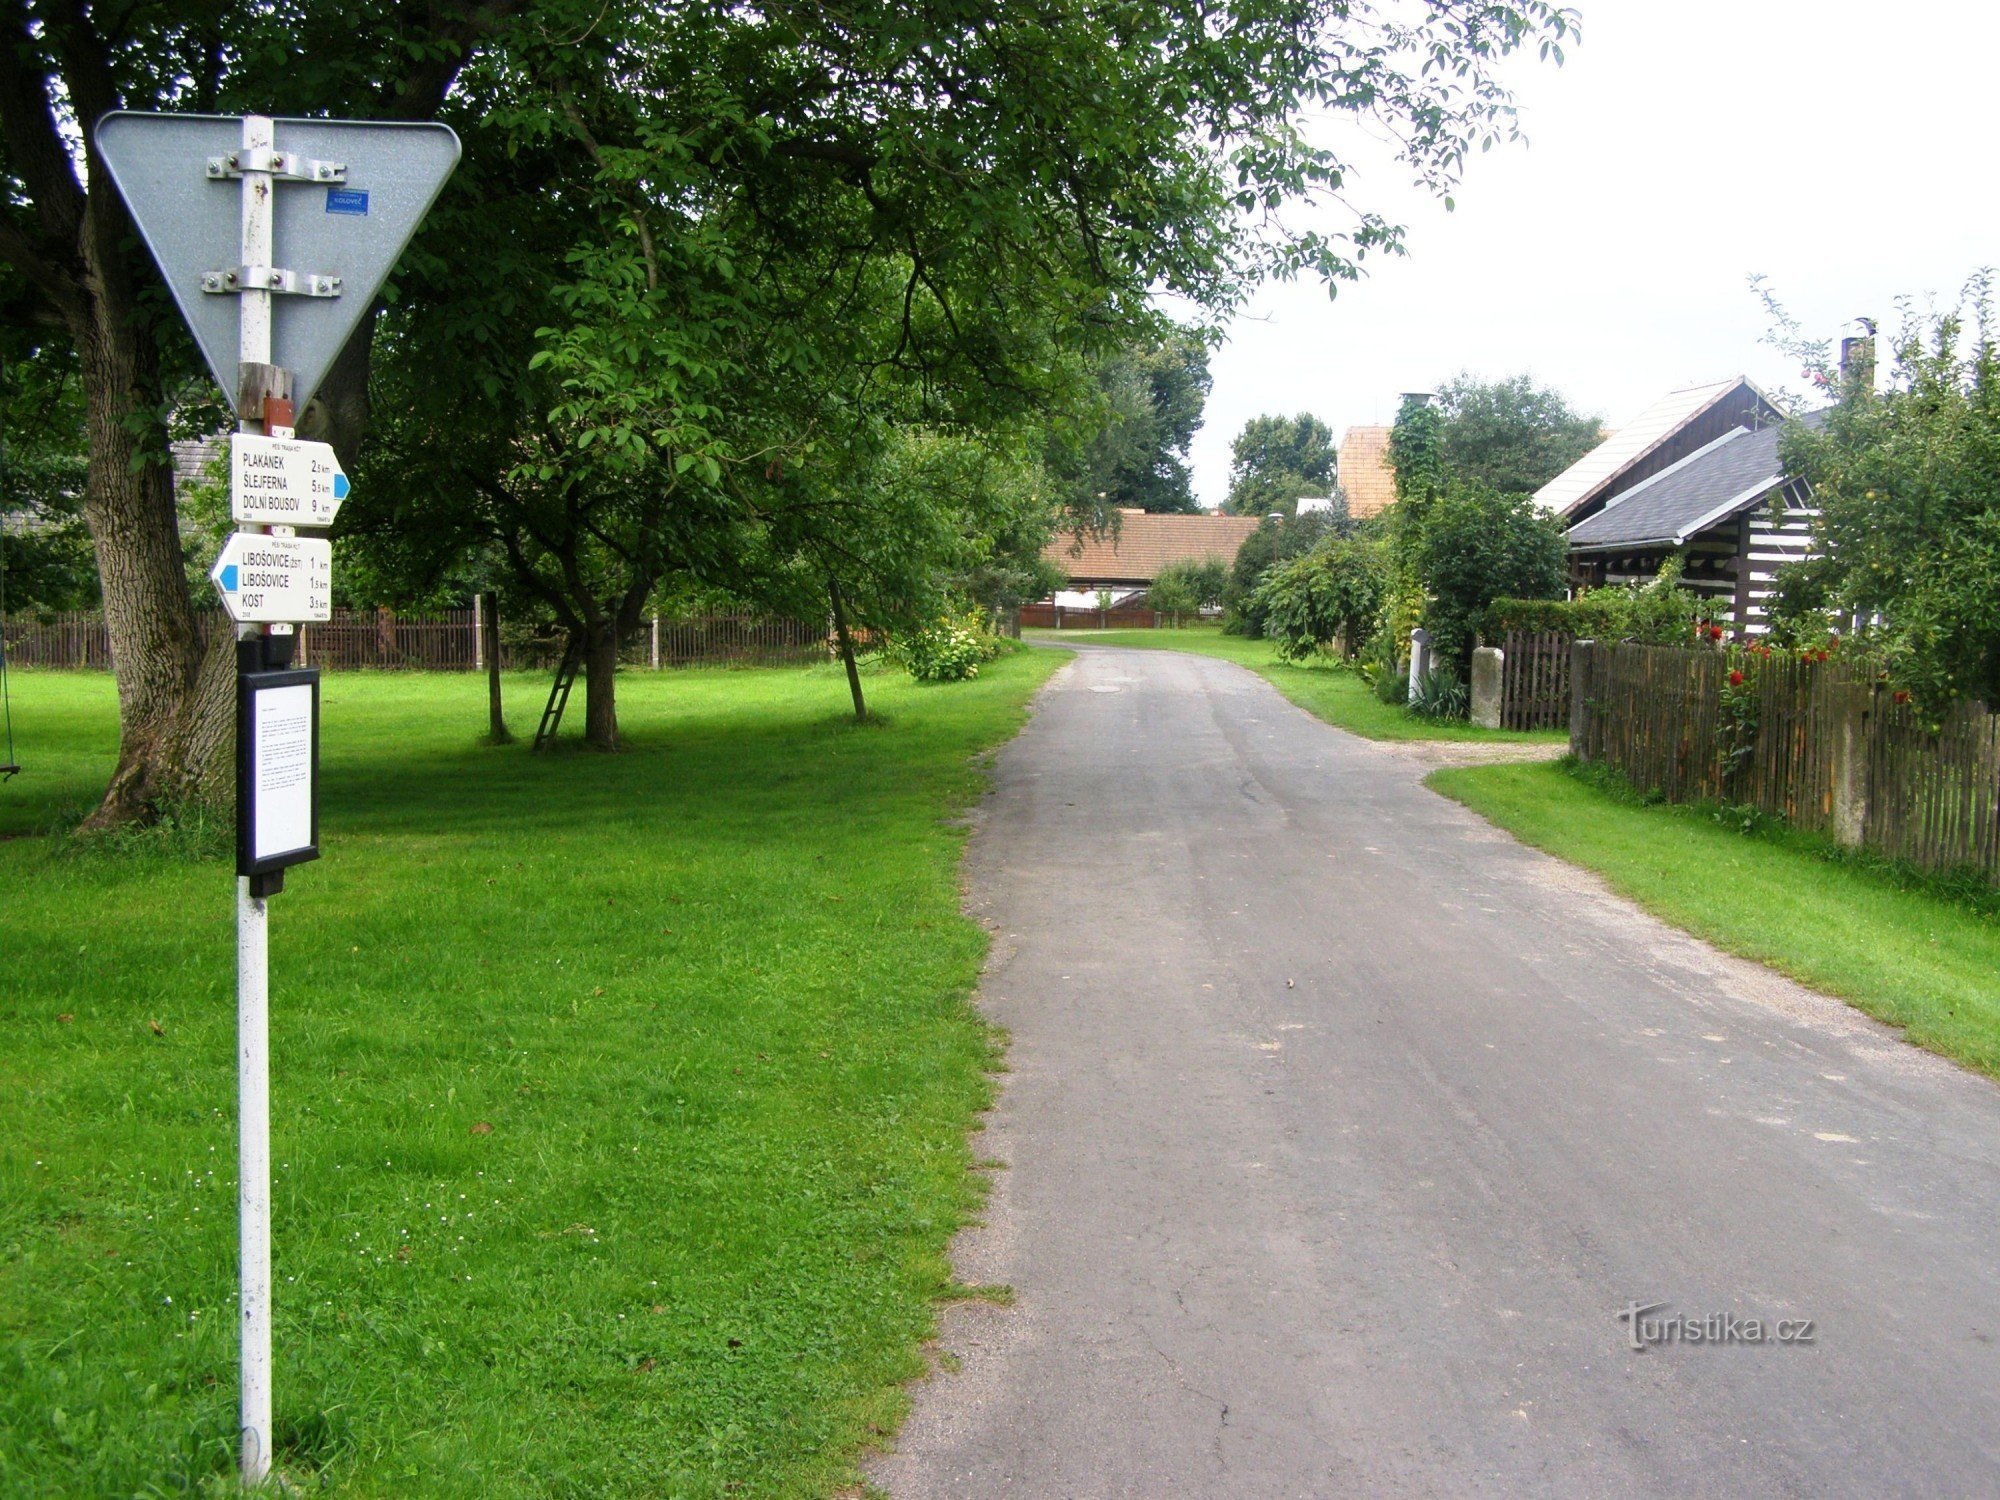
column 166, row 745
column 846, row 649
column 489, row 625
column 600, row 685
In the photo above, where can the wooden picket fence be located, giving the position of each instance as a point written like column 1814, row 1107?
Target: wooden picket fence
column 1064, row 617
column 1827, row 748
column 1534, row 680
column 446, row 641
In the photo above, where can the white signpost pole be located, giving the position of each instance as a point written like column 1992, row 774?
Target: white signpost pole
column 268, row 576
column 253, row 988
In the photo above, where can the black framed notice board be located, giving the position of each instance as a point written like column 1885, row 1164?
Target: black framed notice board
column 277, row 769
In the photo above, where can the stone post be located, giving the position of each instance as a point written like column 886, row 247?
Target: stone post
column 1487, row 677
column 1579, row 697
column 1420, row 661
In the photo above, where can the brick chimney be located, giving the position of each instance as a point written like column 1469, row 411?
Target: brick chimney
column 1857, row 357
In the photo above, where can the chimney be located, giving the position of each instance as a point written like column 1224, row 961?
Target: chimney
column 1857, row 358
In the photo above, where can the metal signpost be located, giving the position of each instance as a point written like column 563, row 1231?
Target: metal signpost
column 216, row 198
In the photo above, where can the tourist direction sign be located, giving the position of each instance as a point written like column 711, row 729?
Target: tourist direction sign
column 274, row 580
column 284, row 481
column 347, row 196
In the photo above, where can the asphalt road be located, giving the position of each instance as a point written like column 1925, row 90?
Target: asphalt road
column 1339, row 1128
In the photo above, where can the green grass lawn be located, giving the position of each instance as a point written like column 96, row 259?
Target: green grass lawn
column 620, row 1103
column 1895, row 948
column 1324, row 690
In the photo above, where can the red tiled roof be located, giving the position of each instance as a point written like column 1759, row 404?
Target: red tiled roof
column 1144, row 544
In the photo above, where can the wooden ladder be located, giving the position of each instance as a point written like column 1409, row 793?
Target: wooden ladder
column 552, row 711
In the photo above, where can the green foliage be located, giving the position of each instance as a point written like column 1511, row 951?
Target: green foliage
column 1510, row 435
column 1189, row 586
column 1663, row 613
column 45, row 554
column 1907, row 486
column 1334, row 590
column 1416, row 456
column 1274, row 541
column 1441, row 696
column 1150, row 396
column 1275, row 460
column 1387, row 677
column 951, row 649
column 1476, row 546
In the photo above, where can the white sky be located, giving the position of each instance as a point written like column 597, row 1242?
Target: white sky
column 1843, row 149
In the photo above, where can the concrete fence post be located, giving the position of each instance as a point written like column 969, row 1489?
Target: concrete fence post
column 1420, row 661
column 1579, row 697
column 479, row 632
column 1487, row 680
column 1850, row 771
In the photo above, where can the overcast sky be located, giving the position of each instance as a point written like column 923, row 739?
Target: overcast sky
column 1842, row 149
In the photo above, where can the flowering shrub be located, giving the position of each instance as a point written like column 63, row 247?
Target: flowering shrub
column 947, row 650
column 1738, row 723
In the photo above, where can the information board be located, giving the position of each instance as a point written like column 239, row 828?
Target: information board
column 277, row 770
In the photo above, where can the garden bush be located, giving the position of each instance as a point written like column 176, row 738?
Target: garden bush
column 1441, row 695
column 948, row 650
column 1335, row 589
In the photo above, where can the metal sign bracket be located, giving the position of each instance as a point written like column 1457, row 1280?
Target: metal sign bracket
column 270, row 279
column 285, row 166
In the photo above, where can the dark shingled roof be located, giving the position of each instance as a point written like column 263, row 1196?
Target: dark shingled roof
column 1736, row 470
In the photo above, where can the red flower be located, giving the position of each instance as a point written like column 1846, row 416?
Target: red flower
column 1900, row 696
column 1715, row 632
column 1736, row 679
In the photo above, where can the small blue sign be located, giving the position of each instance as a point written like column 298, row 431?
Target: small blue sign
column 346, row 201
column 228, row 579
column 340, row 486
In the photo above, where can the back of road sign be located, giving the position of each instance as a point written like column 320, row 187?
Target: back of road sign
column 352, row 226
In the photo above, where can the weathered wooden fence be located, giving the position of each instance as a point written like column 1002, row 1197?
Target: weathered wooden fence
column 1823, row 745
column 1534, row 680
column 446, row 641
column 1064, row 617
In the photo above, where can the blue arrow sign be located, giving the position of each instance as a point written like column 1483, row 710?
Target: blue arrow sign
column 226, row 579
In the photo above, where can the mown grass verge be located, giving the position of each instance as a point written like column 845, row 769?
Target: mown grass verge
column 1920, row 953
column 1335, row 694
column 620, row 1103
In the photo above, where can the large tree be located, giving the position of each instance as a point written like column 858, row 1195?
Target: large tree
column 1511, row 435
column 1149, row 406
column 1275, row 461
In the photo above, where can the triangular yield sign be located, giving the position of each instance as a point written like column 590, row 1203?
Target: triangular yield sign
column 353, row 229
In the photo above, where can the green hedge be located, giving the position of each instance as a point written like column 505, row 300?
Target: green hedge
column 1661, row 614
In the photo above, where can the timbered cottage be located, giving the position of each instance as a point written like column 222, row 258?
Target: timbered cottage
column 1728, row 511
column 1695, row 476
